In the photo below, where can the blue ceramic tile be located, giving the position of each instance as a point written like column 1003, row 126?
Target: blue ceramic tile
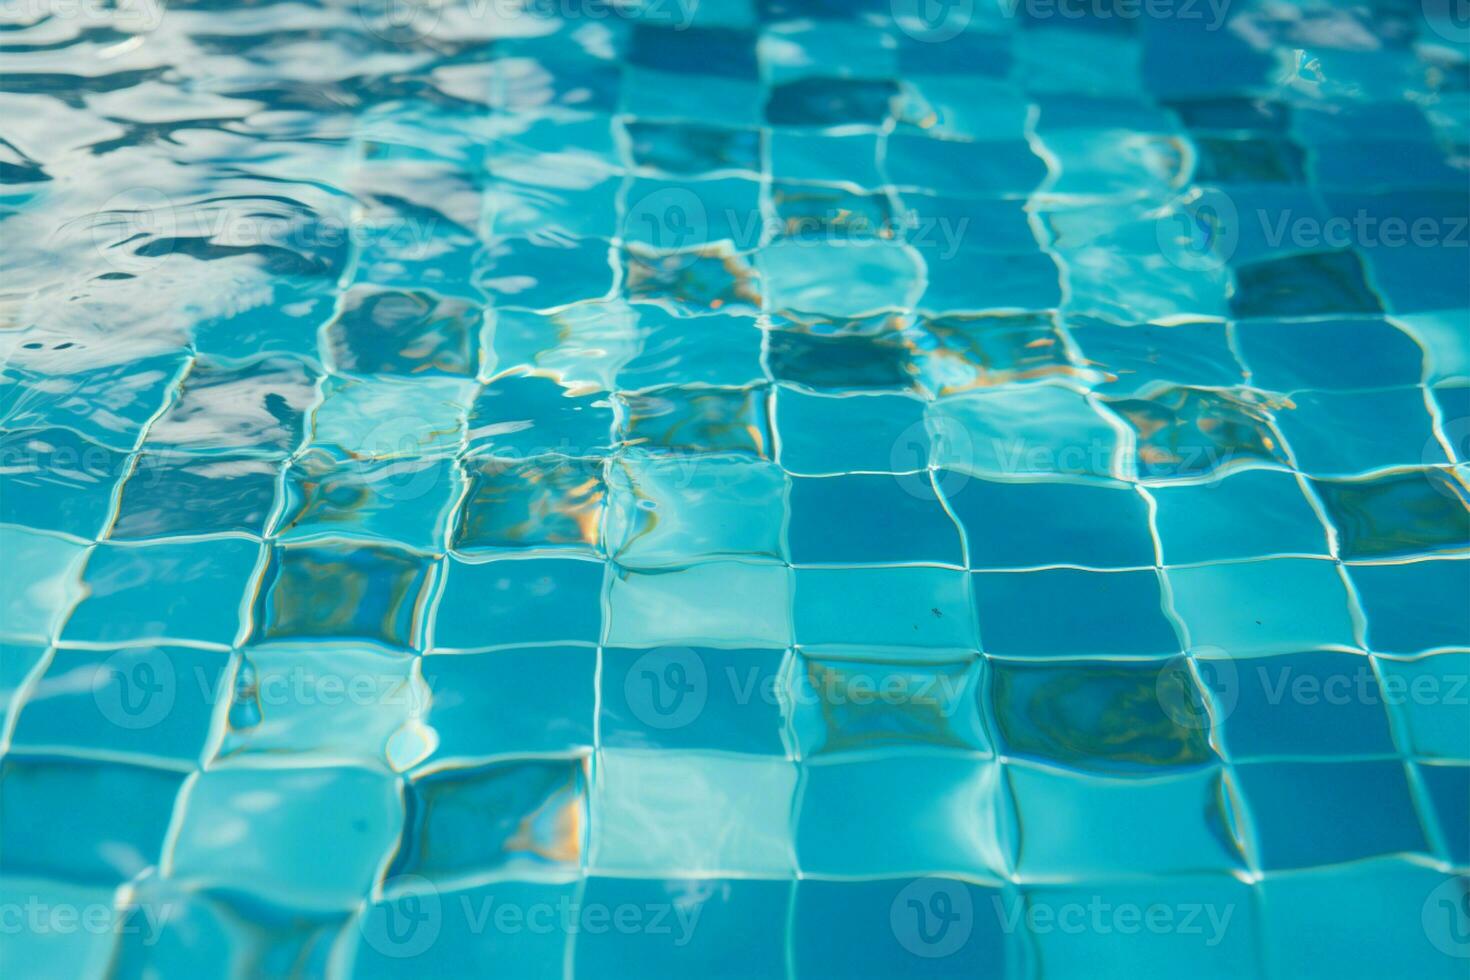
column 813, row 488
column 1414, row 606
column 194, row 590
column 680, row 697
column 61, row 818
column 718, row 928
column 168, row 494
column 1117, row 717
column 57, row 480
column 1250, row 514
column 539, row 812
column 375, row 593
column 868, row 520
column 501, row 603
column 931, row 927
column 150, row 702
column 1164, row 826
column 1015, row 525
column 467, row 689
column 246, row 821
column 1403, row 513
column 1063, row 611
column 1369, row 800
column 886, row 836
column 1305, row 704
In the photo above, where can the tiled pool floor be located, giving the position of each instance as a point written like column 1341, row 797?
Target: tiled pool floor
column 765, row 488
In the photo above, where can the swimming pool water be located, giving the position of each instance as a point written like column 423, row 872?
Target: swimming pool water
column 749, row 488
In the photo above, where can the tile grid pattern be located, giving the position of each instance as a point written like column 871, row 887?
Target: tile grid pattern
column 611, row 802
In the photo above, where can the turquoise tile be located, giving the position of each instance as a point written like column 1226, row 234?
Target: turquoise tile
column 1261, row 606
column 207, row 585
column 701, row 812
column 37, row 599
column 1066, row 612
column 1412, row 907
column 61, row 821
column 1369, row 802
column 718, row 928
column 539, row 809
column 527, row 701
column 376, row 593
column 1119, row 717
column 307, row 838
column 504, row 603
column 918, row 611
column 1161, row 826
column 933, row 927
column 152, row 703
column 900, row 815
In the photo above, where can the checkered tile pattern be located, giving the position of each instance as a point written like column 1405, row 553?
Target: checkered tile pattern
column 777, row 460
